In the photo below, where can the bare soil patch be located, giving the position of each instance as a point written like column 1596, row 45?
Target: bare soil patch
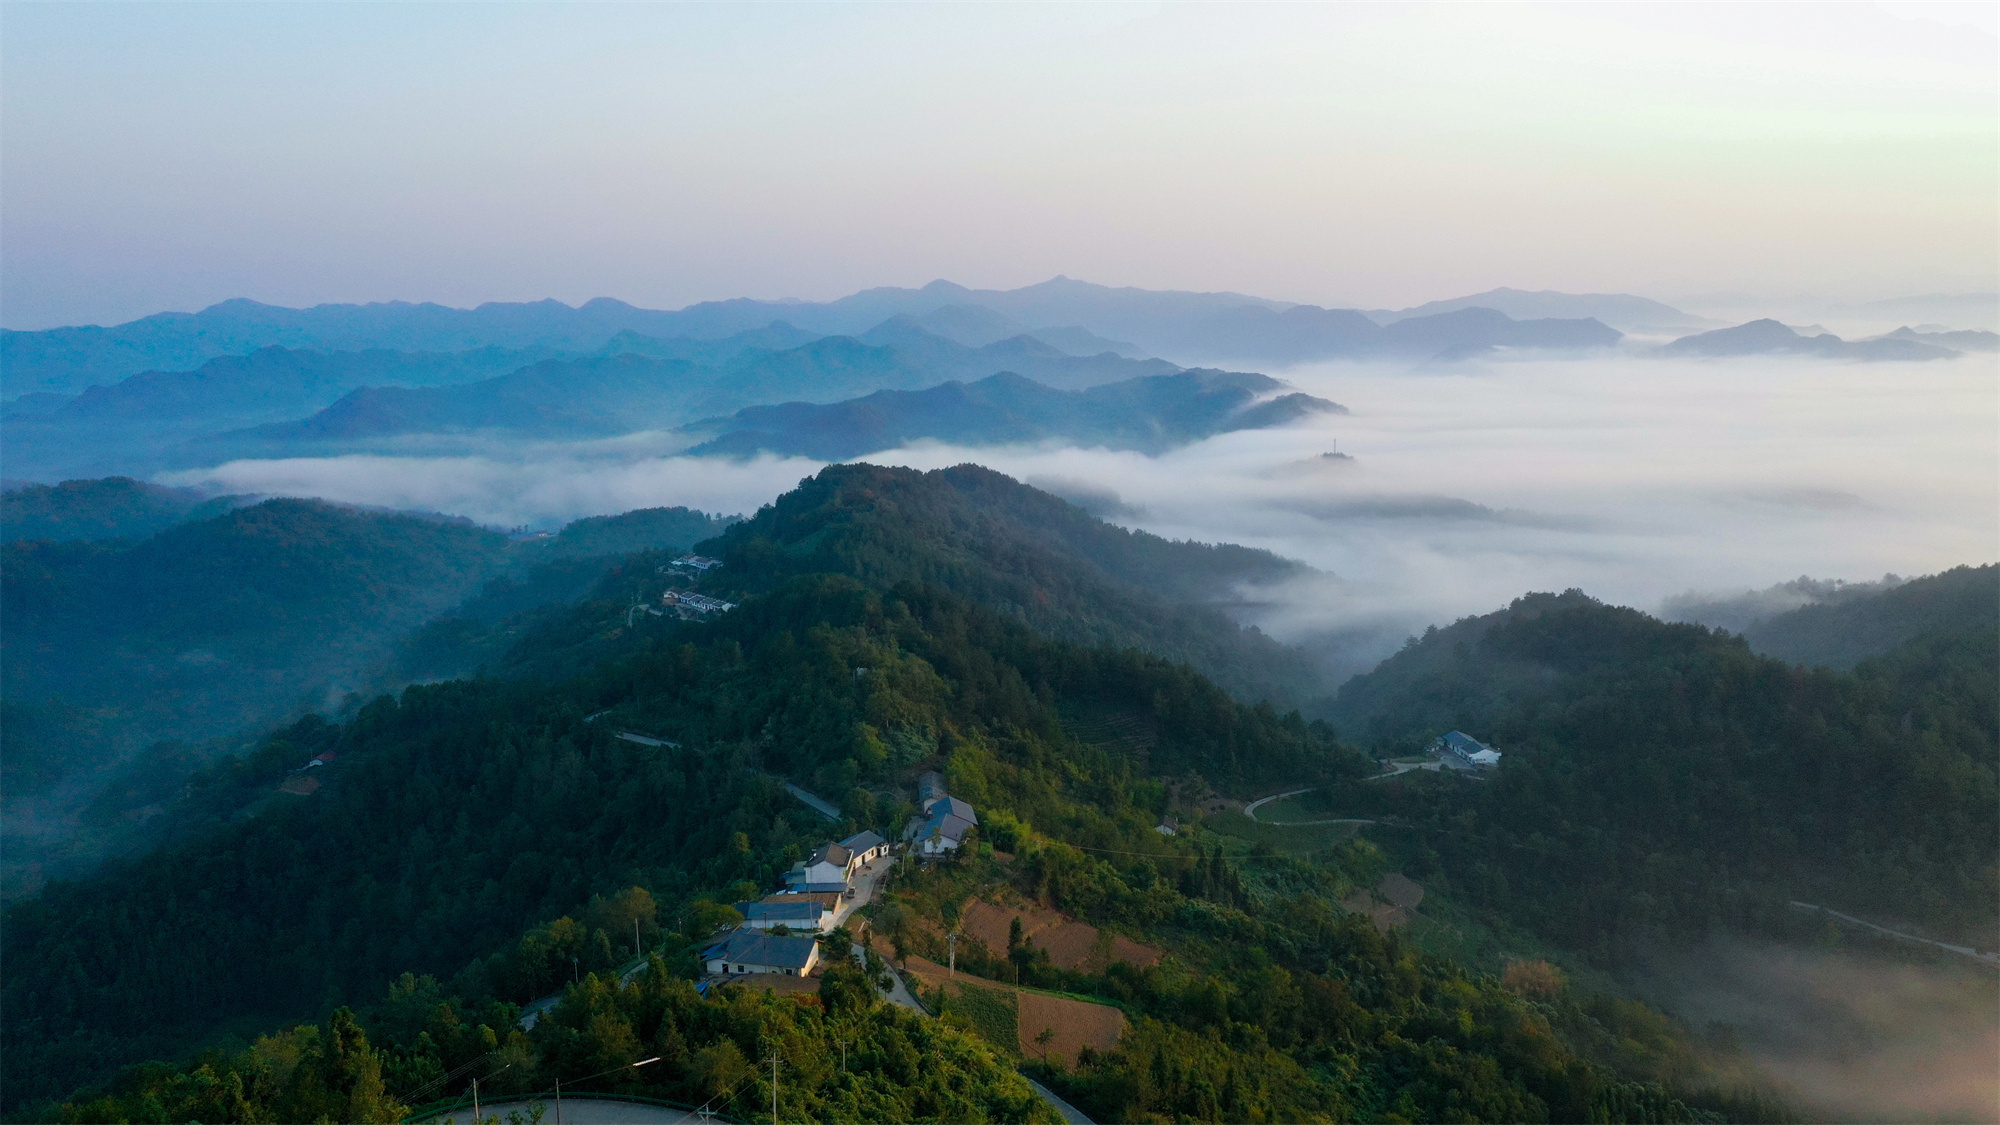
column 1398, row 889
column 1392, row 903
column 1070, row 944
column 1072, row 1024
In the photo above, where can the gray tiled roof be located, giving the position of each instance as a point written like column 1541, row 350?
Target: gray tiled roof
column 952, row 806
column 862, row 841
column 753, row 947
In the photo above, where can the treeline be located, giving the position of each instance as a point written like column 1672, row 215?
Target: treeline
column 841, row 1055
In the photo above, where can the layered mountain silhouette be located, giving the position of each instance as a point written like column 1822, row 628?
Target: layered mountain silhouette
column 1150, row 414
column 1768, row 337
column 605, row 395
column 281, row 402
column 133, row 426
column 1092, row 320
column 1620, row 310
column 1969, row 340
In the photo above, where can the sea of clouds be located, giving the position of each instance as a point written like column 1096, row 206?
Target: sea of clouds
column 1635, row 479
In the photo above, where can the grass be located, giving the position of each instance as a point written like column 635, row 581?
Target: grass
column 993, row 1013
column 1287, row 839
column 1447, row 926
column 1293, row 810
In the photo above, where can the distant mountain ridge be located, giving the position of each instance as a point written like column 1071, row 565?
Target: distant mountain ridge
column 1150, row 414
column 1093, row 318
column 1769, row 337
column 128, row 427
column 1619, row 310
column 279, row 401
column 625, row 393
column 1965, row 340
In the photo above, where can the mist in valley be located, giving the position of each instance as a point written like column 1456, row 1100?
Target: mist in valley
column 1849, row 1034
column 1660, row 484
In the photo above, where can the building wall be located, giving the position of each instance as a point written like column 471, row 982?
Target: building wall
column 737, row 968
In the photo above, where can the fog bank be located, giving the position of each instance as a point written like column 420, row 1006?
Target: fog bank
column 1851, row 1037
column 1635, row 479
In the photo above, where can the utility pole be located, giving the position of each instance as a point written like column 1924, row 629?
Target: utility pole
column 774, row 1084
column 475, row 1099
column 952, row 940
column 635, row 939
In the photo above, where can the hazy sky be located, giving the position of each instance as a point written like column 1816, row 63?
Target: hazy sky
column 168, row 156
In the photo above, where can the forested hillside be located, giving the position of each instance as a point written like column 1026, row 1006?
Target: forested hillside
column 202, row 627
column 463, row 813
column 1662, row 779
column 1027, row 555
column 1844, row 632
column 241, row 619
column 1007, row 547
column 498, row 838
column 110, row 508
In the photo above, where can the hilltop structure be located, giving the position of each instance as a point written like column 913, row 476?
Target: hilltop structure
column 1458, row 748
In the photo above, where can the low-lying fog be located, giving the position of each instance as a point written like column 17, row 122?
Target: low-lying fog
column 1849, row 1035
column 1634, row 479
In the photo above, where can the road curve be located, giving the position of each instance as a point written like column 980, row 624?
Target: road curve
column 1250, row 810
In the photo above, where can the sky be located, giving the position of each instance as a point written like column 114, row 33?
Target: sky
column 167, row 156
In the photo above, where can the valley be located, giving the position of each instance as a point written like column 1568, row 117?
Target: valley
column 323, row 808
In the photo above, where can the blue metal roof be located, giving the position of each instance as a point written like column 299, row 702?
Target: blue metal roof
column 804, row 910
column 754, row 947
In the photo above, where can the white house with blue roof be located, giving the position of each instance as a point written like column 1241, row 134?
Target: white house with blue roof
column 1466, row 749
column 942, row 828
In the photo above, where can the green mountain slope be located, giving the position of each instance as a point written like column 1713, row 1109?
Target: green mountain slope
column 214, row 625
column 1660, row 779
column 108, row 508
column 241, row 619
column 1027, row 555
column 1843, row 633
column 461, row 814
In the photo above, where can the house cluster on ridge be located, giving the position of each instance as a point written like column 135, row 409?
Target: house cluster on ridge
column 944, row 822
column 807, row 906
column 1461, row 749
column 831, row 867
column 689, row 606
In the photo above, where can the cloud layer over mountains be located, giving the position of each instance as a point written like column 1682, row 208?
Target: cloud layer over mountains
column 1490, row 450
column 1635, row 479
